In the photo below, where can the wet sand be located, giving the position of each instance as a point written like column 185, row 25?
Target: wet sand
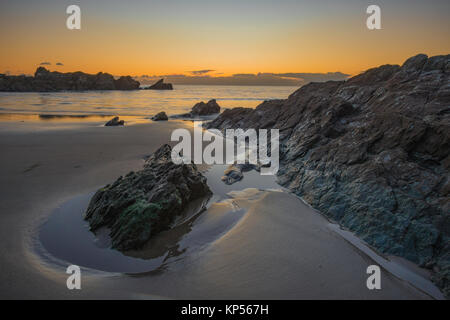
column 274, row 247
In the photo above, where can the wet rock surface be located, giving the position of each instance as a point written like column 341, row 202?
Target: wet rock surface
column 144, row 203
column 201, row 109
column 204, row 109
column 235, row 172
column 46, row 81
column 372, row 153
column 162, row 116
column 115, row 122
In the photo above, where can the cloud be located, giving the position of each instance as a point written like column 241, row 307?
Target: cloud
column 315, row 77
column 245, row 79
column 59, row 64
column 45, row 63
column 201, row 72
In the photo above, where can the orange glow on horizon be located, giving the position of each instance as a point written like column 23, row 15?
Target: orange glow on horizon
column 337, row 43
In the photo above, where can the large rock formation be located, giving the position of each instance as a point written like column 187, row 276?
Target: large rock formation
column 143, row 203
column 45, row 80
column 160, row 85
column 372, row 153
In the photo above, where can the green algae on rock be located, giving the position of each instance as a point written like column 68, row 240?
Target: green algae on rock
column 143, row 203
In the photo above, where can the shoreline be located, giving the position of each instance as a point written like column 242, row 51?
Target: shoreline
column 94, row 173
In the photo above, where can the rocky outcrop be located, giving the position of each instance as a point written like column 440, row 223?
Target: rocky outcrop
column 160, row 85
column 144, row 203
column 126, row 83
column 201, row 109
column 372, row 153
column 45, row 80
column 114, row 122
column 205, row 109
column 162, row 116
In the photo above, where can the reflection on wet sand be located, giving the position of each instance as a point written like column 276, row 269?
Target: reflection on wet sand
column 66, row 118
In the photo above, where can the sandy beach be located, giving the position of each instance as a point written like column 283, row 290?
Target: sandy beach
column 252, row 242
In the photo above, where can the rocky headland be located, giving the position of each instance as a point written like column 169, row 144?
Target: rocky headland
column 46, row 81
column 371, row 153
column 138, row 206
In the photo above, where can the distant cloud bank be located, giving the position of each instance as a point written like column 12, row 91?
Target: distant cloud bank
column 46, row 63
column 201, row 77
column 201, row 72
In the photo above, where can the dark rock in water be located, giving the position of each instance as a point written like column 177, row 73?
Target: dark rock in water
column 143, row 203
column 162, row 116
column 235, row 172
column 160, row 85
column 45, row 80
column 372, row 153
column 204, row 109
column 115, row 122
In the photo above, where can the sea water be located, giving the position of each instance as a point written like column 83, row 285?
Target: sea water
column 140, row 103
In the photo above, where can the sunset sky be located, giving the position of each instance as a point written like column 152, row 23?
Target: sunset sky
column 165, row 37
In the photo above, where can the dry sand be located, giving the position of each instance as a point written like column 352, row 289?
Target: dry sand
column 279, row 248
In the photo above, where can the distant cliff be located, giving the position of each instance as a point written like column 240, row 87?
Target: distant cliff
column 372, row 153
column 45, row 80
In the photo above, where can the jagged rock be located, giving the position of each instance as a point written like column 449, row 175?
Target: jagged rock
column 160, row 85
column 144, row 203
column 372, row 153
column 44, row 80
column 114, row 122
column 162, row 116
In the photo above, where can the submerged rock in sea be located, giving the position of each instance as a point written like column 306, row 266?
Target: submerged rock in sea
column 114, row 122
column 160, row 85
column 372, row 153
column 162, row 116
column 144, row 203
